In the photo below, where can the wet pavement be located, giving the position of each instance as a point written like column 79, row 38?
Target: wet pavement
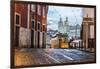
column 30, row 56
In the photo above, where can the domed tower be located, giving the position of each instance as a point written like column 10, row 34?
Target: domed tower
column 66, row 26
column 60, row 25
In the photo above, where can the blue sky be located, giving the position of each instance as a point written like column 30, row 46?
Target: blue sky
column 74, row 15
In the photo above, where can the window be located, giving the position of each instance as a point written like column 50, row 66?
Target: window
column 39, row 10
column 39, row 27
column 33, row 8
column 38, row 44
column 43, row 27
column 43, row 11
column 91, row 31
column 33, row 24
column 17, row 19
column 32, row 16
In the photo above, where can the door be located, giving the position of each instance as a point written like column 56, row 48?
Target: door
column 17, row 37
column 32, row 38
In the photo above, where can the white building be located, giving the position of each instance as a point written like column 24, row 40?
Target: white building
column 63, row 26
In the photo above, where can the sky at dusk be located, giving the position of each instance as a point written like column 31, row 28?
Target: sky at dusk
column 74, row 15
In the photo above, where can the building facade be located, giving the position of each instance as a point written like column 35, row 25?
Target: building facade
column 63, row 26
column 63, row 29
column 30, row 22
column 88, row 25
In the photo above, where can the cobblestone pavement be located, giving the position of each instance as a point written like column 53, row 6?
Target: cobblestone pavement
column 29, row 56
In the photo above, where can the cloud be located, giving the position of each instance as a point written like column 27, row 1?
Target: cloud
column 74, row 15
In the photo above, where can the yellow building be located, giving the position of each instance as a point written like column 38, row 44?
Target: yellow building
column 64, row 43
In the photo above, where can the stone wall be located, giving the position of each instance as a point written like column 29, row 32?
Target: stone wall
column 41, row 39
column 24, row 37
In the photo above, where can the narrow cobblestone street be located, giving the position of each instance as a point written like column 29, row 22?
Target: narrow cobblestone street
column 50, row 56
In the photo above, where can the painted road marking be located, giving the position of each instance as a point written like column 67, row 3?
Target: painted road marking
column 68, row 57
column 52, row 58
